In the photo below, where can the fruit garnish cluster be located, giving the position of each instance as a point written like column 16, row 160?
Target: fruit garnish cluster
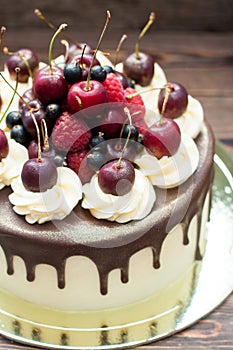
column 87, row 114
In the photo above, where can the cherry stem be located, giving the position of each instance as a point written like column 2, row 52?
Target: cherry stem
column 168, row 89
column 81, row 59
column 38, row 136
column 58, row 31
column 17, row 70
column 45, row 135
column 52, row 26
column 127, row 112
column 143, row 32
column 137, row 93
column 2, row 33
column 97, row 48
column 67, row 46
column 123, row 38
column 21, row 55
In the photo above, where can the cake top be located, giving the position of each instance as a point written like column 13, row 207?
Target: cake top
column 81, row 130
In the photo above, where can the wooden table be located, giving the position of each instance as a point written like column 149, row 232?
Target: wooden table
column 204, row 64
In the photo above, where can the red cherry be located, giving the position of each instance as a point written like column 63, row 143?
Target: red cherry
column 117, row 177
column 163, row 138
column 177, row 101
column 4, row 146
column 39, row 175
column 80, row 97
column 50, row 86
column 85, row 62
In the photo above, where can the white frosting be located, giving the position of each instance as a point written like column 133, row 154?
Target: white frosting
column 191, row 121
column 11, row 166
column 135, row 205
column 54, row 204
column 169, row 172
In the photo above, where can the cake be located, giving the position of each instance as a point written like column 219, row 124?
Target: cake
column 81, row 267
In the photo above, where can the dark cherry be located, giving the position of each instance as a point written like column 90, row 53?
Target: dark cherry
column 39, row 175
column 39, row 113
column 177, row 100
column 27, row 96
column 122, row 78
column 163, row 138
column 19, row 134
column 114, row 149
column 50, row 85
column 111, row 124
column 4, row 146
column 117, row 177
column 18, row 60
column 13, row 118
column 33, row 150
column 84, row 61
column 141, row 69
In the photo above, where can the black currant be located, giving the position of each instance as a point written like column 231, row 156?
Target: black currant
column 19, row 134
column 13, row 118
column 53, row 111
column 72, row 72
column 97, row 139
column 98, row 73
column 95, row 160
column 59, row 160
column 133, row 132
column 108, row 69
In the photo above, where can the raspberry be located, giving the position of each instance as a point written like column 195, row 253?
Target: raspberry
column 135, row 104
column 115, row 91
column 70, row 133
column 77, row 161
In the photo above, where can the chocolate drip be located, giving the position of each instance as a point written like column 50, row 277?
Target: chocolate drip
column 109, row 245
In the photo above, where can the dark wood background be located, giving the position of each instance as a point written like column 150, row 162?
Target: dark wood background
column 193, row 41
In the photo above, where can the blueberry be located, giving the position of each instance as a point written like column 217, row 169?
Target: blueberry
column 96, row 160
column 13, row 118
column 53, row 111
column 19, row 134
column 59, row 160
column 133, row 134
column 72, row 73
column 98, row 73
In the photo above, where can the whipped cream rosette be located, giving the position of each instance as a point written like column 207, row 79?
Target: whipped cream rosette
column 54, row 204
column 134, row 205
column 11, row 166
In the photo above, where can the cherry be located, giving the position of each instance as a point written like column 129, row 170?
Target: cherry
column 163, row 138
column 139, row 66
column 176, row 102
column 115, row 147
column 4, row 146
column 122, row 78
column 33, row 150
column 117, row 177
column 111, row 124
column 39, row 175
column 26, row 60
column 49, row 84
column 85, row 61
column 36, row 109
column 90, row 92
column 27, row 96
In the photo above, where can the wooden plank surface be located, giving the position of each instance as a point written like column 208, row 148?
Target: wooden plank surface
column 204, row 63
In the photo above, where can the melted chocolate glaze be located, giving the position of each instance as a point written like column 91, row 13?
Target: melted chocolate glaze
column 109, row 245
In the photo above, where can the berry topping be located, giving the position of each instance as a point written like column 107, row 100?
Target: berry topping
column 72, row 72
column 4, row 147
column 53, row 111
column 98, row 73
column 135, row 104
column 13, row 118
column 163, row 138
column 175, row 104
column 117, row 177
column 19, row 134
column 115, row 91
column 70, row 133
column 77, row 161
column 39, row 175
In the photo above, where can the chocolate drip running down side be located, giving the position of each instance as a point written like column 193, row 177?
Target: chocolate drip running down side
column 109, row 245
